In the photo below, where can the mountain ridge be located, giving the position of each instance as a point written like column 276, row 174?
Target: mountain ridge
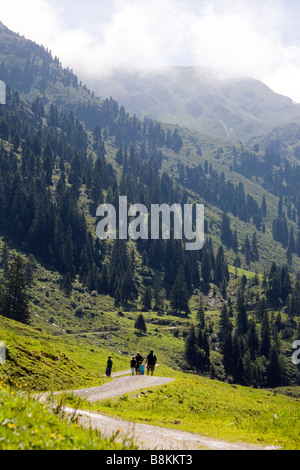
column 235, row 107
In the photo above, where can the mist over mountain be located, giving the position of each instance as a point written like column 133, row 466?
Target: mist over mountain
column 208, row 100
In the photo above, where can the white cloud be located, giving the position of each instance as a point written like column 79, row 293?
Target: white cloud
column 238, row 35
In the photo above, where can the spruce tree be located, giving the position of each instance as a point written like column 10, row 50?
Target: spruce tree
column 224, row 324
column 179, row 294
column 228, row 360
column 15, row 301
column 201, row 314
column 253, row 341
column 241, row 319
column 129, row 289
column 274, row 371
column 140, row 324
column 191, row 351
column 147, row 299
column 265, row 336
column 206, row 268
column 4, row 258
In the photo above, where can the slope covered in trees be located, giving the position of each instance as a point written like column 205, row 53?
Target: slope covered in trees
column 63, row 152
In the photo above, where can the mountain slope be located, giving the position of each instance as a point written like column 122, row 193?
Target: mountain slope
column 237, row 108
column 63, row 154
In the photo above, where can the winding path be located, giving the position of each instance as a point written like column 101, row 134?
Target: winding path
column 146, row 437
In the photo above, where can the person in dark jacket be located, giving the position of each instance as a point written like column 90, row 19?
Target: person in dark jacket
column 109, row 366
column 132, row 365
column 151, row 362
column 139, row 360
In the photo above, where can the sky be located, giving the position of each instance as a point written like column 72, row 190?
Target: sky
column 257, row 38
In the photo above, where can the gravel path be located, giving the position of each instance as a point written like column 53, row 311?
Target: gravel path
column 145, row 436
column 119, row 386
column 148, row 437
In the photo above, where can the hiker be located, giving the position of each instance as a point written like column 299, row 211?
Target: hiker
column 109, row 366
column 132, row 365
column 142, row 369
column 151, row 362
column 139, row 360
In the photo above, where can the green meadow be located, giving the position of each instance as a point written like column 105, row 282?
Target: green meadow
column 212, row 408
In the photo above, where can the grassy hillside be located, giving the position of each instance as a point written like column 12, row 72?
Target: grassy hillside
column 26, row 424
column 213, row 409
column 220, row 154
column 51, row 171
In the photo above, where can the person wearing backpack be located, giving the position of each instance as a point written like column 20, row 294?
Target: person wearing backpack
column 151, row 362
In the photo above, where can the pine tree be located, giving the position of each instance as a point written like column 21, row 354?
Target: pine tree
column 252, row 340
column 254, row 248
column 203, row 351
column 226, row 232
column 147, row 299
column 228, row 360
column 15, row 301
column 191, row 351
column 273, row 289
column 140, row 324
column 224, row 324
column 221, row 268
column 206, row 268
column 201, row 314
column 129, row 289
column 179, row 294
column 66, row 285
column 265, row 336
column 4, row 258
column 264, row 207
column 274, row 370
column 241, row 319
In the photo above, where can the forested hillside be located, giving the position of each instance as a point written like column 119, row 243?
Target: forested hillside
column 63, row 152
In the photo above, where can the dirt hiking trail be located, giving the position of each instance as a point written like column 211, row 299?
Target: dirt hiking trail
column 145, row 436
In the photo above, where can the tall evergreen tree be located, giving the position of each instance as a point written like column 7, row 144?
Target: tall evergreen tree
column 274, row 370
column 224, row 324
column 200, row 313
column 147, row 299
column 265, row 336
column 179, row 294
column 206, row 267
column 191, row 351
column 228, row 356
column 15, row 301
column 140, row 324
column 241, row 319
column 129, row 288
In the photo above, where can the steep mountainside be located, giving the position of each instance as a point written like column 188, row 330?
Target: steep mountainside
column 63, row 152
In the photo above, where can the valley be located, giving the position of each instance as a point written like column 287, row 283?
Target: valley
column 221, row 320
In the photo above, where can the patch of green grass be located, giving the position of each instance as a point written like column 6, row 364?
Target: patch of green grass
column 49, row 363
column 213, row 409
column 241, row 272
column 26, row 424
